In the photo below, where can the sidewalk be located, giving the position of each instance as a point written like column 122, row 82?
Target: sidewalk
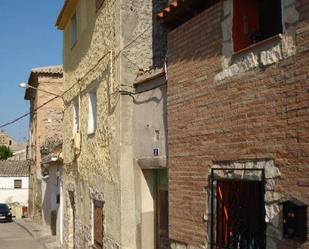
column 38, row 233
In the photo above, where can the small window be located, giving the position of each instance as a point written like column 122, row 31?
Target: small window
column 17, row 183
column 98, row 229
column 254, row 21
column 295, row 220
column 75, row 116
column 92, row 112
column 73, row 27
column 98, row 4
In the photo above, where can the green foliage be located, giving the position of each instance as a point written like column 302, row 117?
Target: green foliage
column 5, row 152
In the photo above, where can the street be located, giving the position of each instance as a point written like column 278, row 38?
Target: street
column 13, row 236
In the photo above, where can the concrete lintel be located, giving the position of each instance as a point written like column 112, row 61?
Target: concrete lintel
column 152, row 162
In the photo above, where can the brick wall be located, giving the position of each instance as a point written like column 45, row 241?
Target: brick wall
column 45, row 124
column 262, row 113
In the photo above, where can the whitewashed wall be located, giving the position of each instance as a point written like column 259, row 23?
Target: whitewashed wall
column 7, row 191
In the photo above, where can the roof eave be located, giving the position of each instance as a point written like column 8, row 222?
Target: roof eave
column 65, row 13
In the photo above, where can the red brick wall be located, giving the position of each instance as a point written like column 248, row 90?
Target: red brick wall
column 263, row 113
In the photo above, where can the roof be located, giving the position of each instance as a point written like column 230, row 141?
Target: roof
column 149, row 75
column 181, row 10
column 14, row 168
column 53, row 157
column 49, row 70
column 57, row 69
column 65, row 13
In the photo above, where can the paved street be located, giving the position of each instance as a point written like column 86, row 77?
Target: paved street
column 13, row 236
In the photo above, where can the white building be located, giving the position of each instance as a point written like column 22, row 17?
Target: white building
column 52, row 199
column 14, row 182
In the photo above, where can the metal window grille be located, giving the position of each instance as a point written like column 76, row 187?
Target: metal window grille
column 237, row 210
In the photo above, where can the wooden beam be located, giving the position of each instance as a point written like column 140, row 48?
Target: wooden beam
column 66, row 13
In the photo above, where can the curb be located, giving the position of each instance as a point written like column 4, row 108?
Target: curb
column 43, row 239
column 25, row 228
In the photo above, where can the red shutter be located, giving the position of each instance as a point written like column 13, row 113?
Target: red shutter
column 245, row 22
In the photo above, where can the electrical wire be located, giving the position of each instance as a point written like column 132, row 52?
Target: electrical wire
column 80, row 79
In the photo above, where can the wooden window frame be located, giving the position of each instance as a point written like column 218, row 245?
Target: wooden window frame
column 18, row 184
column 92, row 111
column 76, row 116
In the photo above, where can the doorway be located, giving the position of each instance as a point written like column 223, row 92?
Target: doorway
column 238, row 214
column 154, row 209
column 162, row 209
column 71, row 221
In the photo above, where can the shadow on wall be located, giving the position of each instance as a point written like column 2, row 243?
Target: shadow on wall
column 159, row 34
column 50, row 206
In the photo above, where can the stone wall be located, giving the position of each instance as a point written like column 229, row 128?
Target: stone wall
column 249, row 114
column 90, row 64
column 108, row 55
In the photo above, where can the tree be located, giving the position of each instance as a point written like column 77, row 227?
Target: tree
column 5, row 152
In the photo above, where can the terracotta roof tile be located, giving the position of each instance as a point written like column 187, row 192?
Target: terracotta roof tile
column 49, row 69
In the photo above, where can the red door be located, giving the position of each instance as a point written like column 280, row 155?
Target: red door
column 240, row 218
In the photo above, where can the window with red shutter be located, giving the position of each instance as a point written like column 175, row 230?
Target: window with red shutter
column 254, row 21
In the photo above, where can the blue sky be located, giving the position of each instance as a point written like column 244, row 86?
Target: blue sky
column 28, row 39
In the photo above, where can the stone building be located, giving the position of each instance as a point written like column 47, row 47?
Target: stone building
column 45, row 130
column 109, row 199
column 6, row 140
column 18, row 148
column 238, row 94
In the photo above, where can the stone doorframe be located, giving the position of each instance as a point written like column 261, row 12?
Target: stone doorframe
column 108, row 243
column 272, row 199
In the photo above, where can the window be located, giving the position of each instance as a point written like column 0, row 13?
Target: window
column 98, row 4
column 295, row 220
column 17, row 183
column 98, row 228
column 254, row 21
column 73, row 27
column 92, row 112
column 75, row 116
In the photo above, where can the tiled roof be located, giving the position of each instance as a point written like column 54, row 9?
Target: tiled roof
column 50, row 69
column 14, row 168
column 173, row 5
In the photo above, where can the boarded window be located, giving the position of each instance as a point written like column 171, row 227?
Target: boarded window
column 17, row 183
column 92, row 112
column 99, row 3
column 98, row 229
column 75, row 116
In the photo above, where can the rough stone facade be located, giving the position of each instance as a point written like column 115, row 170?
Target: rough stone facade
column 45, row 125
column 216, row 113
column 108, row 55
